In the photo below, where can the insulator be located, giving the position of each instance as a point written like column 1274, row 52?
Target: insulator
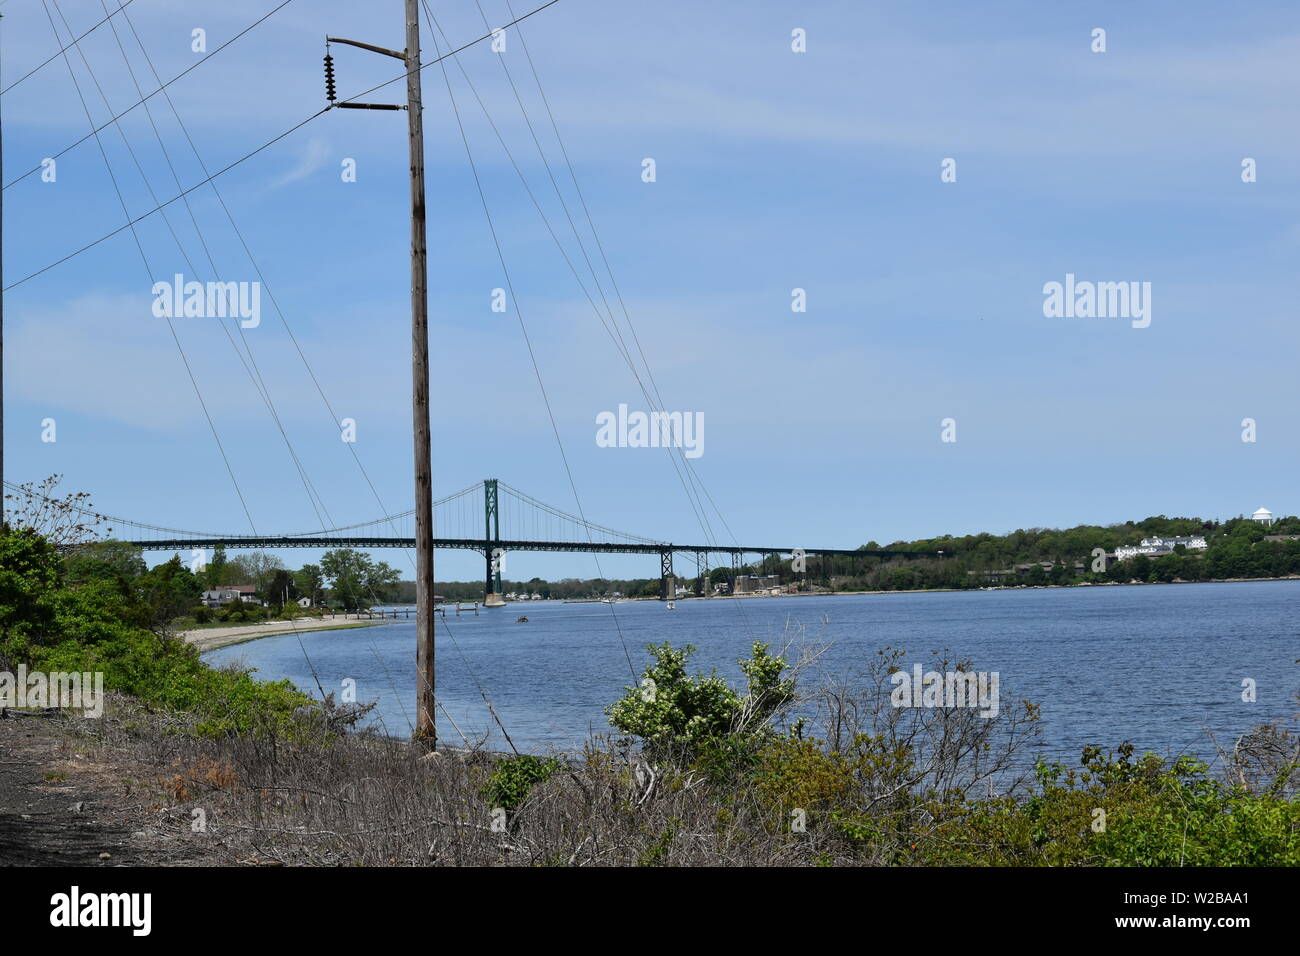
column 329, row 78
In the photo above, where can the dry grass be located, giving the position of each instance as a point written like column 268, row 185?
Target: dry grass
column 331, row 798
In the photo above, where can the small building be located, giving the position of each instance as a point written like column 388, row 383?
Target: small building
column 752, row 583
column 1158, row 547
column 1263, row 516
column 304, row 602
column 228, row 594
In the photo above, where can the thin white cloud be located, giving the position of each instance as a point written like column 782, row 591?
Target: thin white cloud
column 313, row 155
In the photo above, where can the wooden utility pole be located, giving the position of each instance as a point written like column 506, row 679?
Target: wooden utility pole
column 424, row 656
column 425, row 728
column 2, row 327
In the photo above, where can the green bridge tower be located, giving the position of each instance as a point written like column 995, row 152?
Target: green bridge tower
column 492, row 535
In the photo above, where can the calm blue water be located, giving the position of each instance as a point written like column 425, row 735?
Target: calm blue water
column 1157, row 665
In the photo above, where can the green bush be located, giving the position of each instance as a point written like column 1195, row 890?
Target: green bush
column 675, row 716
column 101, row 625
column 513, row 778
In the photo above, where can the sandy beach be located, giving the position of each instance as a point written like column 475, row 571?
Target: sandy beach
column 210, row 638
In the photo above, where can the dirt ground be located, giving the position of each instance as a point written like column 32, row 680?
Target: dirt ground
column 59, row 807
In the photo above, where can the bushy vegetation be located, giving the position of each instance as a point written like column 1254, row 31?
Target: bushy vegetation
column 100, row 610
column 513, row 778
column 700, row 772
column 675, row 715
column 875, row 785
column 944, row 786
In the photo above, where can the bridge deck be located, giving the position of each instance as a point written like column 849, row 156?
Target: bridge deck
column 485, row 546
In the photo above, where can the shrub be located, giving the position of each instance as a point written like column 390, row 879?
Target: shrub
column 513, row 778
column 101, row 625
column 674, row 715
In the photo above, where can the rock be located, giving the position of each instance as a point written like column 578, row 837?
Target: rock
column 77, row 807
column 106, row 856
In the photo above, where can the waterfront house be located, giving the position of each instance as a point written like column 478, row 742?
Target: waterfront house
column 1159, row 547
column 229, row 593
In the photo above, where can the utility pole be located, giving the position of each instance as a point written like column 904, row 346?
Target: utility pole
column 2, row 320
column 425, row 729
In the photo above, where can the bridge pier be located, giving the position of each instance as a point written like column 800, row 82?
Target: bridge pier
column 665, row 575
column 702, row 572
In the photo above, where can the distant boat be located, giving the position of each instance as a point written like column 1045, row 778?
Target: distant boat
column 672, row 605
column 521, row 620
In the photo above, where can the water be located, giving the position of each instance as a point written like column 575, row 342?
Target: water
column 1157, row 665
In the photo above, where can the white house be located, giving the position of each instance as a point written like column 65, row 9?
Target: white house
column 216, row 597
column 304, row 602
column 1160, row 546
column 1263, row 516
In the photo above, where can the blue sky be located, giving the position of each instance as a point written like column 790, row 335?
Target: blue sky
column 775, row 170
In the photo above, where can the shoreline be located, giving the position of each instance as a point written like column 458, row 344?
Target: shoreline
column 212, row 638
column 986, row 587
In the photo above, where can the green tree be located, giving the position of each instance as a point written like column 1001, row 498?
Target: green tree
column 280, row 587
column 218, row 568
column 104, row 559
column 256, row 568
column 310, row 582
column 166, row 592
column 356, row 580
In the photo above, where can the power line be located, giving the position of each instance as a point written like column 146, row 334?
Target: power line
column 334, row 420
column 523, row 328
column 145, row 260
column 247, row 156
column 163, row 205
column 250, row 365
column 254, row 373
column 51, row 59
column 610, row 325
column 686, row 463
column 688, row 479
column 193, row 66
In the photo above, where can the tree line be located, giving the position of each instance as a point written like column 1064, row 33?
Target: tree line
column 1236, row 549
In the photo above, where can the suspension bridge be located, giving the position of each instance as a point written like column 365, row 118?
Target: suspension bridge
column 472, row 519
